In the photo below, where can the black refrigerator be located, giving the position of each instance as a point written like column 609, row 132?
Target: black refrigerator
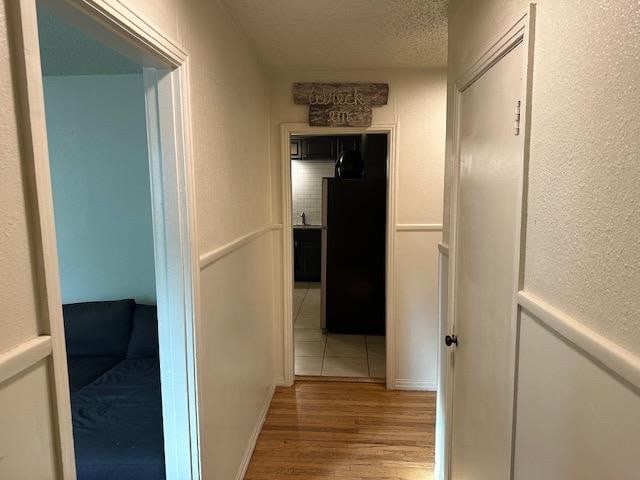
column 354, row 213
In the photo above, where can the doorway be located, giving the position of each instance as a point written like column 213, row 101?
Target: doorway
column 161, row 88
column 323, row 337
column 99, row 165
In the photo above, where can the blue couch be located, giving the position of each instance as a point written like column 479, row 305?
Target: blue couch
column 114, row 375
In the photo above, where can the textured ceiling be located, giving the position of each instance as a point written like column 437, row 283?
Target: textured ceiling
column 67, row 51
column 345, row 34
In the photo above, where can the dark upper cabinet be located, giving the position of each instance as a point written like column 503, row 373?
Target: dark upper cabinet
column 296, row 148
column 319, row 148
column 322, row 147
column 348, row 143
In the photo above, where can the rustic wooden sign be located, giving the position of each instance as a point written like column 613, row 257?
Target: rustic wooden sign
column 340, row 104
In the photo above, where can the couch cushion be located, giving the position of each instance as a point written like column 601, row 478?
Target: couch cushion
column 144, row 334
column 117, row 424
column 98, row 328
column 84, row 370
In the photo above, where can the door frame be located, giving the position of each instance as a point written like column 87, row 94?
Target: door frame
column 521, row 32
column 286, row 130
column 166, row 67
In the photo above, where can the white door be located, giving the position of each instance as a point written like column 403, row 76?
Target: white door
column 491, row 167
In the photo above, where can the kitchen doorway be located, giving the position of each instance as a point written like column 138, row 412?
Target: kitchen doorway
column 338, row 212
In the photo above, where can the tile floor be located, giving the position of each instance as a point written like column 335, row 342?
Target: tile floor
column 331, row 355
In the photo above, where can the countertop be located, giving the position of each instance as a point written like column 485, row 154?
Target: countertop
column 307, row 227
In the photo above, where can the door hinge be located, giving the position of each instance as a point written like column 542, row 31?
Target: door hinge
column 516, row 126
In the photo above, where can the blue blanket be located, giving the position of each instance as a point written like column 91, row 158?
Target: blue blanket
column 117, row 422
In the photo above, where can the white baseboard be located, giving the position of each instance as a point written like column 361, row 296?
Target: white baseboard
column 279, row 382
column 403, row 384
column 246, row 458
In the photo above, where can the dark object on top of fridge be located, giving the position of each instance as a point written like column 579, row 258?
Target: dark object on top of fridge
column 350, row 165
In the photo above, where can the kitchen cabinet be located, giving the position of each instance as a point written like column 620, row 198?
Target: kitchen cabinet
column 319, row 148
column 348, row 143
column 296, row 149
column 322, row 147
column 307, row 254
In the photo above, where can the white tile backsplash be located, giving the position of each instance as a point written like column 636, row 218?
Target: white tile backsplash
column 306, row 186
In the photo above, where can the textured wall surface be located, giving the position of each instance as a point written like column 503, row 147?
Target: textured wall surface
column 583, row 231
column 583, row 220
column 27, row 436
column 230, row 109
column 583, row 225
column 230, row 112
column 417, row 104
column 18, row 321
column 99, row 161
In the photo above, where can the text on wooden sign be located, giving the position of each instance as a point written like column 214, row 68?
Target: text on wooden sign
column 340, row 104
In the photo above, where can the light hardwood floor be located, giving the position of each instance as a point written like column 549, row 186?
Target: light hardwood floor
column 338, row 430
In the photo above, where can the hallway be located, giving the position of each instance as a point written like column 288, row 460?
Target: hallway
column 356, row 431
column 207, row 250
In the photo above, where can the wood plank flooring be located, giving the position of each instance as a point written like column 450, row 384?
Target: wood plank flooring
column 337, row 430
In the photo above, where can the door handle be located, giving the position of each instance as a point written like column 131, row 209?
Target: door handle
column 451, row 340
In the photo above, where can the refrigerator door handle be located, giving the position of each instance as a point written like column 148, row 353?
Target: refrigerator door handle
column 323, row 264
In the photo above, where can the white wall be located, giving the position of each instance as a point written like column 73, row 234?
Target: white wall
column 417, row 105
column 99, row 163
column 230, row 112
column 27, row 438
column 582, row 227
column 575, row 419
column 306, row 189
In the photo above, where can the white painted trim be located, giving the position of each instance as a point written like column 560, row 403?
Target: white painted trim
column 124, row 21
column 23, row 18
column 24, row 356
column 182, row 112
column 492, row 55
column 415, row 385
column 622, row 362
column 520, row 32
column 246, row 458
column 419, row 227
column 287, row 257
column 444, row 364
column 116, row 24
column 213, row 256
column 286, row 130
column 173, row 270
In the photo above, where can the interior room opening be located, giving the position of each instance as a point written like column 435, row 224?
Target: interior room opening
column 339, row 219
column 99, row 165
